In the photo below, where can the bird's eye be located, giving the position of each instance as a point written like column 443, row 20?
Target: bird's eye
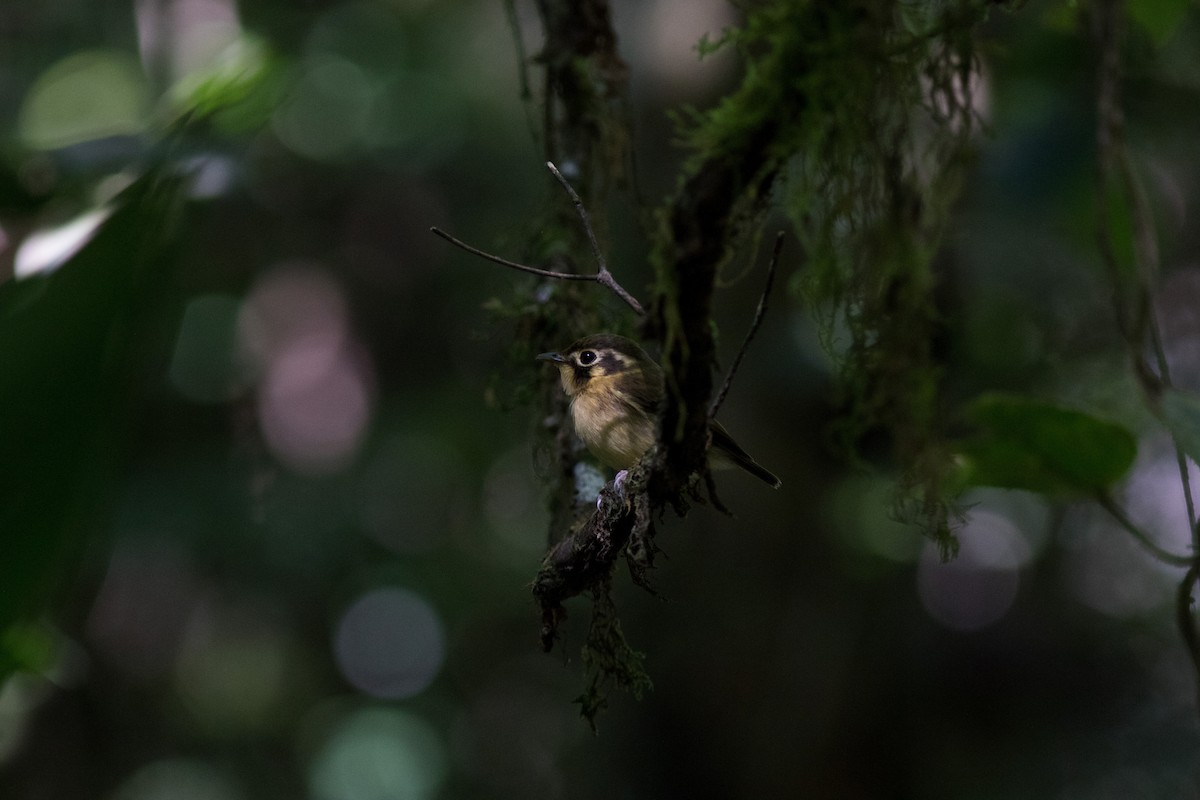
column 587, row 358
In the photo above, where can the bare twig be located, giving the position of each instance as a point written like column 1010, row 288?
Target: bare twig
column 759, row 313
column 602, row 276
column 514, row 24
column 1108, row 504
column 545, row 273
column 1116, row 168
column 1109, row 145
column 1186, row 617
column 583, row 216
column 1164, row 374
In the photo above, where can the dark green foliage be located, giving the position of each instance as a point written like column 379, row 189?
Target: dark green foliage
column 1025, row 444
column 875, row 173
column 239, row 96
column 608, row 659
column 856, row 115
column 70, row 343
column 792, row 625
column 864, row 110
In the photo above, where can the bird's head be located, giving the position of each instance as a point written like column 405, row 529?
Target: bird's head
column 600, row 359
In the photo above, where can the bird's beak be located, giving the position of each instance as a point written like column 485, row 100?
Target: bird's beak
column 557, row 358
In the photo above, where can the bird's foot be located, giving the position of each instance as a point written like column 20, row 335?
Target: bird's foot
column 618, row 486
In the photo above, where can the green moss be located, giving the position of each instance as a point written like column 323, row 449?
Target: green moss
column 854, row 115
column 608, row 659
column 862, row 110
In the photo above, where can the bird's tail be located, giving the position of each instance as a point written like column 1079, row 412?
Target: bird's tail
column 725, row 451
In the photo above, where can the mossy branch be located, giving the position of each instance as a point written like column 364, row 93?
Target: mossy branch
column 584, row 559
column 759, row 313
column 829, row 101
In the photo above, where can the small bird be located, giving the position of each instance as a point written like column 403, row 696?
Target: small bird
column 615, row 390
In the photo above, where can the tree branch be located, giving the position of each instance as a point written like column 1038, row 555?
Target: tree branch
column 759, row 313
column 1186, row 619
column 602, row 276
column 514, row 25
column 1165, row 556
column 545, row 273
column 586, row 556
column 1116, row 168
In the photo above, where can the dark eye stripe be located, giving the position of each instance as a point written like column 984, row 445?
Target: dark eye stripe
column 614, row 362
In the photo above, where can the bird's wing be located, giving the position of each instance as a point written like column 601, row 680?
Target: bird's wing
column 723, row 441
column 724, row 447
column 646, row 390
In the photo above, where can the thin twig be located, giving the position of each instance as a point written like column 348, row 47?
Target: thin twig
column 1116, row 168
column 526, row 94
column 583, row 215
column 545, row 273
column 603, row 276
column 1181, row 461
column 1108, row 504
column 1110, row 122
column 514, row 24
column 1146, row 254
column 759, row 313
column 1186, row 618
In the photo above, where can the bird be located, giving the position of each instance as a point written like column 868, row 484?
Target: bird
column 615, row 389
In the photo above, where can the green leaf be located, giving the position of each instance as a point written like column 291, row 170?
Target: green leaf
column 89, row 95
column 238, row 92
column 26, row 646
column 1181, row 414
column 1026, row 444
column 69, row 342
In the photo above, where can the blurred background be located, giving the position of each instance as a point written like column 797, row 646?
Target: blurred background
column 293, row 557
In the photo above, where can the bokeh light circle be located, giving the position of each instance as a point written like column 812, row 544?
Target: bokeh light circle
column 389, row 643
column 378, row 753
column 315, row 397
column 977, row 587
column 178, row 779
column 204, row 367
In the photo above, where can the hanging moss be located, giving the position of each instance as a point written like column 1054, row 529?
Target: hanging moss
column 854, row 115
column 857, row 114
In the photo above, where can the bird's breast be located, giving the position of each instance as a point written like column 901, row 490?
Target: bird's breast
column 613, row 430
